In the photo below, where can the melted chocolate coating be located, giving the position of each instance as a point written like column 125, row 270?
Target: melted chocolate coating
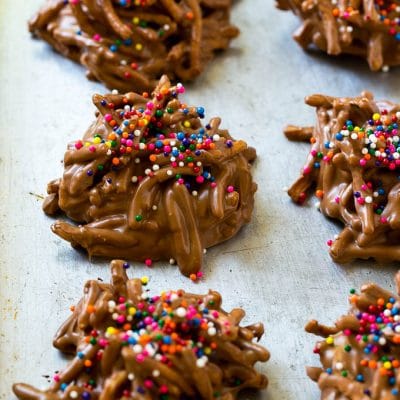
column 355, row 185
column 128, row 345
column 361, row 356
column 130, row 47
column 357, row 27
column 150, row 182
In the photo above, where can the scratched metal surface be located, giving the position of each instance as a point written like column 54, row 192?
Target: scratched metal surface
column 277, row 267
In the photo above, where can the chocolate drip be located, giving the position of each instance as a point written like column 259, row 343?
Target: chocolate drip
column 366, row 28
column 355, row 173
column 150, row 182
column 128, row 345
column 360, row 356
column 129, row 47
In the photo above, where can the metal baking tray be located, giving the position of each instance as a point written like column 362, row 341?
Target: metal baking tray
column 277, row 268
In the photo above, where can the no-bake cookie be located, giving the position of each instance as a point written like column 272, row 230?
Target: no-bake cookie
column 129, row 44
column 369, row 29
column 150, row 181
column 354, row 168
column 127, row 344
column 360, row 355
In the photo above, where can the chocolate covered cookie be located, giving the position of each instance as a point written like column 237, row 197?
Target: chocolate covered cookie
column 360, row 355
column 128, row 44
column 369, row 29
column 150, row 181
column 354, row 168
column 127, row 344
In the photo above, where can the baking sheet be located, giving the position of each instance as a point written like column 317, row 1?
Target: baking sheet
column 277, row 268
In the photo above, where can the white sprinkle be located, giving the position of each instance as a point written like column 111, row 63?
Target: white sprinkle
column 181, row 164
column 339, row 366
column 194, row 193
column 124, row 62
column 137, row 348
column 136, row 132
column 317, row 204
column 354, row 136
column 204, row 251
column 368, row 199
column 142, row 146
column 137, row 160
column 156, row 167
column 172, row 261
column 134, row 179
column 115, row 316
column 111, row 304
column 169, row 172
column 131, row 376
column 382, row 341
column 109, row 152
column 73, row 394
column 114, row 91
column 212, row 331
column 201, row 362
column 349, row 29
column 154, row 208
column 156, row 373
column 385, row 68
column 147, row 171
column 216, row 137
column 180, row 312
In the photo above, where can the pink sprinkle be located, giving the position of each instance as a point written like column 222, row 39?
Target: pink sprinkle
column 306, row 170
column 150, row 105
column 329, row 242
column 148, row 262
column 140, row 358
column 181, row 181
column 384, row 220
column 96, row 37
column 56, row 378
column 199, row 274
column 92, row 148
column 108, row 117
column 213, row 184
column 361, row 200
column 337, row 199
column 230, row 189
column 200, row 179
column 78, row 145
column 148, row 383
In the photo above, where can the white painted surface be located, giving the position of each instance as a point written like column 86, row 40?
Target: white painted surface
column 277, row 268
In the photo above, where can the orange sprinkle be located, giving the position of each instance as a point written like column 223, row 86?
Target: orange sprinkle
column 381, row 301
column 90, row 309
column 87, row 363
column 372, row 364
column 115, row 161
column 193, row 277
column 153, row 158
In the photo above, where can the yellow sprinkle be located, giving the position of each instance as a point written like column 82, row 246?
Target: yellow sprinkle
column 187, row 124
column 145, row 280
column 87, row 144
column 357, row 129
column 108, row 144
column 207, row 350
column 139, row 46
column 96, row 140
column 132, row 311
column 387, row 364
column 111, row 330
column 376, row 116
column 135, row 20
column 329, row 340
